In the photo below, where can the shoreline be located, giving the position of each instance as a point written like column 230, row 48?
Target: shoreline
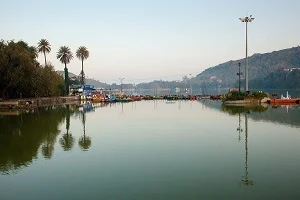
column 31, row 103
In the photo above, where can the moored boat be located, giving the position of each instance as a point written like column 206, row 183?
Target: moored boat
column 284, row 100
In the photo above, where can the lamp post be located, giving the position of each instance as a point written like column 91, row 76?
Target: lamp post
column 239, row 74
column 121, row 80
column 191, row 87
column 246, row 20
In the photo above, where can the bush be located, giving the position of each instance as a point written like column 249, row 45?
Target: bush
column 259, row 95
column 235, row 95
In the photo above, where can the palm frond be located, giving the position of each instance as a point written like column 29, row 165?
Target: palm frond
column 82, row 53
column 64, row 54
column 44, row 46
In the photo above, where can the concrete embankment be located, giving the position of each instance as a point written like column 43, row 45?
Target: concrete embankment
column 247, row 102
column 243, row 102
column 36, row 102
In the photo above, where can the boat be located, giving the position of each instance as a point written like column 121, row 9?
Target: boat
column 284, row 100
column 124, row 99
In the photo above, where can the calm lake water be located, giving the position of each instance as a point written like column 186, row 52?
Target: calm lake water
column 151, row 150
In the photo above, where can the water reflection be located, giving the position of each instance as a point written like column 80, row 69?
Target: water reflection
column 283, row 114
column 84, row 142
column 246, row 181
column 244, row 110
column 236, row 109
column 24, row 134
column 67, row 140
column 239, row 129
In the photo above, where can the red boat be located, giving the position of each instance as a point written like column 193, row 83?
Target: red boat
column 284, row 101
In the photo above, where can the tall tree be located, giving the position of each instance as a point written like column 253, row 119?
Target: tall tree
column 65, row 55
column 44, row 47
column 82, row 54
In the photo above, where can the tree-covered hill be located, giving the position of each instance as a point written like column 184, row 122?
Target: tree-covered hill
column 260, row 66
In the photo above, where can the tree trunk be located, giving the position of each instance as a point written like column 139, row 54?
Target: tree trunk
column 66, row 80
column 45, row 58
column 82, row 73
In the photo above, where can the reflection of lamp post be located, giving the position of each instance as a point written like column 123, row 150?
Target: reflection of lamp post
column 246, row 181
column 239, row 129
column 239, row 74
column 246, row 20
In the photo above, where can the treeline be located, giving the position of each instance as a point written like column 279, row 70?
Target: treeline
column 23, row 76
column 278, row 79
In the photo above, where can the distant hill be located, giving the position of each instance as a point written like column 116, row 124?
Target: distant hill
column 275, row 70
column 279, row 79
column 260, row 67
column 89, row 81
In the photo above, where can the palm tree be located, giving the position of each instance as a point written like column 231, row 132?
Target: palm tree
column 82, row 54
column 44, row 47
column 65, row 55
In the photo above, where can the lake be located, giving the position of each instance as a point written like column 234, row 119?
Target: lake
column 150, row 150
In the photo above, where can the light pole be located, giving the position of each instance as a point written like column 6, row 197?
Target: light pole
column 191, row 87
column 239, row 74
column 246, row 20
column 121, row 80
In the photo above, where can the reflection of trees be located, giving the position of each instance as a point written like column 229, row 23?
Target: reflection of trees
column 21, row 137
column 273, row 115
column 48, row 146
column 67, row 140
column 85, row 141
column 235, row 109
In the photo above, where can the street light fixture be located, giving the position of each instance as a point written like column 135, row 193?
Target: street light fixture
column 246, row 20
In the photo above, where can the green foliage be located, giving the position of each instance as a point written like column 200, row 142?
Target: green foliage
column 278, row 79
column 259, row 95
column 82, row 53
column 234, row 96
column 23, row 76
column 44, row 47
column 65, row 55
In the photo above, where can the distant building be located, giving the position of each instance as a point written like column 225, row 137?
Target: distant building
column 290, row 69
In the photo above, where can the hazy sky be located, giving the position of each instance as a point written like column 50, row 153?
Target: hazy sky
column 143, row 40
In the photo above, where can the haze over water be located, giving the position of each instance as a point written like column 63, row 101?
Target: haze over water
column 151, row 150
